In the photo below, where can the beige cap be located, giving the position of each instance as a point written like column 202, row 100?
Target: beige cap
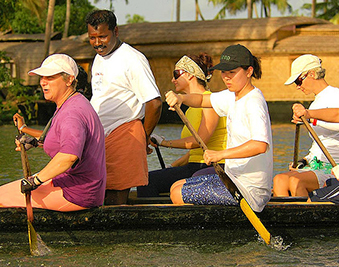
column 302, row 64
column 55, row 64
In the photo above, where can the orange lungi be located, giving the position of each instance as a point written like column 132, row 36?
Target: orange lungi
column 126, row 156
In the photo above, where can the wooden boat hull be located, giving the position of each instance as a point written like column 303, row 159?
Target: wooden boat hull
column 169, row 216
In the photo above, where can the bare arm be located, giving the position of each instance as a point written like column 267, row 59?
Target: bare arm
column 19, row 122
column 208, row 124
column 324, row 114
column 181, row 161
column 152, row 115
column 59, row 164
column 327, row 117
column 191, row 100
column 249, row 149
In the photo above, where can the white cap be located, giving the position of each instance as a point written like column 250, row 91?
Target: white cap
column 55, row 64
column 302, row 64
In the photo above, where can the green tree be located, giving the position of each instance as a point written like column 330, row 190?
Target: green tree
column 135, row 19
column 35, row 6
column 234, row 6
column 23, row 20
column 110, row 3
column 328, row 10
column 77, row 24
column 14, row 94
column 49, row 22
column 198, row 11
column 67, row 19
column 9, row 10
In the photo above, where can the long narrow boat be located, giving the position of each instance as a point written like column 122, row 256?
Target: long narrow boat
column 158, row 213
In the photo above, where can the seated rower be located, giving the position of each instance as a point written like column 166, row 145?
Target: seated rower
column 75, row 177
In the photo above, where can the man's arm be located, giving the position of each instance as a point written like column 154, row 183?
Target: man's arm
column 152, row 115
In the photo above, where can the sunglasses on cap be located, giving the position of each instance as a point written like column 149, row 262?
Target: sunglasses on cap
column 300, row 79
column 178, row 73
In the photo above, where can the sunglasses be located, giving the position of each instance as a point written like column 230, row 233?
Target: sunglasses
column 178, row 73
column 300, row 80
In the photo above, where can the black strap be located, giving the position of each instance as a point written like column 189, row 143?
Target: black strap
column 43, row 135
column 48, row 125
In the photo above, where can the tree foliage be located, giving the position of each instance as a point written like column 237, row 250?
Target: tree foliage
column 328, row 10
column 16, row 15
column 235, row 6
column 13, row 93
column 135, row 19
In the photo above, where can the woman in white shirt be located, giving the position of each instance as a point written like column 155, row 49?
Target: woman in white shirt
column 248, row 156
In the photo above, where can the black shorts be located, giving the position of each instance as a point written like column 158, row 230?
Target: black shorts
column 330, row 193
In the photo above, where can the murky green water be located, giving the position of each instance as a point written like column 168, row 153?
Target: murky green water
column 196, row 247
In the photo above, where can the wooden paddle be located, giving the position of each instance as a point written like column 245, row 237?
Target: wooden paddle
column 245, row 207
column 162, row 163
column 32, row 235
column 296, row 145
column 36, row 245
column 322, row 147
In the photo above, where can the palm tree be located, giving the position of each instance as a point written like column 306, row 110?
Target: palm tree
column 328, row 10
column 36, row 6
column 198, row 11
column 49, row 22
column 314, row 3
column 234, row 6
column 249, row 9
column 68, row 18
column 111, row 3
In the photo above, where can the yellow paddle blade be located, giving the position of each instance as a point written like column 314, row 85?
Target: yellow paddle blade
column 255, row 221
column 36, row 245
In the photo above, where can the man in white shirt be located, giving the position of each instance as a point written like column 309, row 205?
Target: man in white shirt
column 124, row 94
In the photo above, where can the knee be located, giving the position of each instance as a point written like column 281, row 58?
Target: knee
column 176, row 195
column 177, row 184
column 280, row 179
column 295, row 183
column 280, row 185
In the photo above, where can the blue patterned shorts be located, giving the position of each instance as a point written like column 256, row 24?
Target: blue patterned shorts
column 206, row 190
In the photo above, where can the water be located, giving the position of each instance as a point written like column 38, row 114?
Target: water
column 195, row 247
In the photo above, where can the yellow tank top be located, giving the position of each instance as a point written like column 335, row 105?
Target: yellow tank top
column 217, row 140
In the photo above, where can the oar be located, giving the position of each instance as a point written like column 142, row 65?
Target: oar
column 322, row 147
column 296, row 145
column 245, row 207
column 36, row 245
column 162, row 163
column 32, row 235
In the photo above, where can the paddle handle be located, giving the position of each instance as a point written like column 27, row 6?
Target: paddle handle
column 190, row 127
column 320, row 144
column 157, row 150
column 27, row 172
column 221, row 173
column 245, row 207
column 296, row 145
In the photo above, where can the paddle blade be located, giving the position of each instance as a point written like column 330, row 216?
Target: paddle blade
column 255, row 221
column 36, row 245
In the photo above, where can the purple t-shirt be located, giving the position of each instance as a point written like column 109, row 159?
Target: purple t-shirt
column 77, row 130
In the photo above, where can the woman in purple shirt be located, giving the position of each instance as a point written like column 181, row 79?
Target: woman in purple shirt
column 75, row 178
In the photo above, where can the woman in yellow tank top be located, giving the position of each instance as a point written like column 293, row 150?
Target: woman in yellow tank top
column 190, row 76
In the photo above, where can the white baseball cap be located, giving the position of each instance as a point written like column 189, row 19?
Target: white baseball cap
column 302, row 64
column 55, row 64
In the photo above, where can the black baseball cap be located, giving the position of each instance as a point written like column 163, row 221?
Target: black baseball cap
column 234, row 56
